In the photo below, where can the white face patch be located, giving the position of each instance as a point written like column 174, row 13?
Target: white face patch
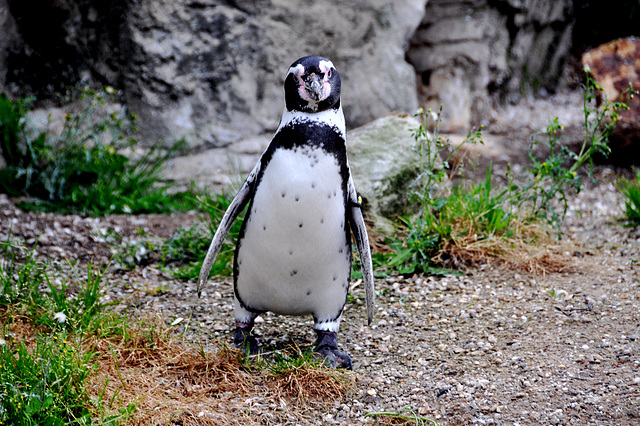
column 326, row 66
column 330, row 117
column 297, row 71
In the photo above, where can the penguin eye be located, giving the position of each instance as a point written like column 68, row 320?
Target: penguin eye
column 329, row 73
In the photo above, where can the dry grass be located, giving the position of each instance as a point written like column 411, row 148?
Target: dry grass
column 173, row 382
column 530, row 248
column 18, row 330
column 301, row 379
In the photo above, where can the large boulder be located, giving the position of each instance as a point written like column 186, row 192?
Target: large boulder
column 614, row 65
column 214, row 72
column 385, row 164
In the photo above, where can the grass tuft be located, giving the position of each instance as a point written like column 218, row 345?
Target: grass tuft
column 84, row 169
column 630, row 189
column 404, row 416
column 513, row 225
column 300, row 376
column 41, row 380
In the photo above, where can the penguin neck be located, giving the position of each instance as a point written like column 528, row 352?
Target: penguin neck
column 330, row 117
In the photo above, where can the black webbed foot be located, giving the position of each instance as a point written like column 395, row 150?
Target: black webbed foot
column 327, row 348
column 244, row 340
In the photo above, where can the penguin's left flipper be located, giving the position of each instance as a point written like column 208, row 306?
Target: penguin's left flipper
column 364, row 251
column 239, row 202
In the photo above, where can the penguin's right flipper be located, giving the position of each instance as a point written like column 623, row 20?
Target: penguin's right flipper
column 239, row 202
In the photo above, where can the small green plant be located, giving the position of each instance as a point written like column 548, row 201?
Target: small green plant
column 405, row 415
column 85, row 310
column 431, row 148
column 26, row 288
column 21, row 276
column 554, row 293
column 630, row 188
column 291, row 360
column 550, row 179
column 83, row 169
column 423, row 235
column 184, row 252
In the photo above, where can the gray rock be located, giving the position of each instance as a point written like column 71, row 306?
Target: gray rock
column 384, row 164
column 8, row 39
column 210, row 70
column 470, row 54
column 217, row 169
column 214, row 74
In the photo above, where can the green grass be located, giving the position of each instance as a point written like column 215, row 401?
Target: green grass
column 26, row 288
column 215, row 208
column 45, row 362
column 67, row 357
column 182, row 254
column 21, row 276
column 84, row 169
column 43, row 382
column 630, row 189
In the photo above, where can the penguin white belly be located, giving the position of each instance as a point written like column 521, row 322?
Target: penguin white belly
column 294, row 258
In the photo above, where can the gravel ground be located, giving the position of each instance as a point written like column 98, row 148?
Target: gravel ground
column 495, row 346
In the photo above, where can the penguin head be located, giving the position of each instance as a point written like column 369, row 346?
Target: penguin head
column 312, row 85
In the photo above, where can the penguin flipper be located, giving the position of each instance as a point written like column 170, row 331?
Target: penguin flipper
column 239, row 202
column 364, row 251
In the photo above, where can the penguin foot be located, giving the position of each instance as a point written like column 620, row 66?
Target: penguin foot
column 327, row 350
column 245, row 341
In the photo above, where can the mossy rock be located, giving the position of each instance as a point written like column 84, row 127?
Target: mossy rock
column 384, row 164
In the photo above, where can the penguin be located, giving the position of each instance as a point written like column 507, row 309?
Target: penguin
column 293, row 253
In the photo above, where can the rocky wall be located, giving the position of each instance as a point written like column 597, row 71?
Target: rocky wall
column 207, row 70
column 211, row 70
column 469, row 54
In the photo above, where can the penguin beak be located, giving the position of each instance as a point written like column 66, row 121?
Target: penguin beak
column 314, row 86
